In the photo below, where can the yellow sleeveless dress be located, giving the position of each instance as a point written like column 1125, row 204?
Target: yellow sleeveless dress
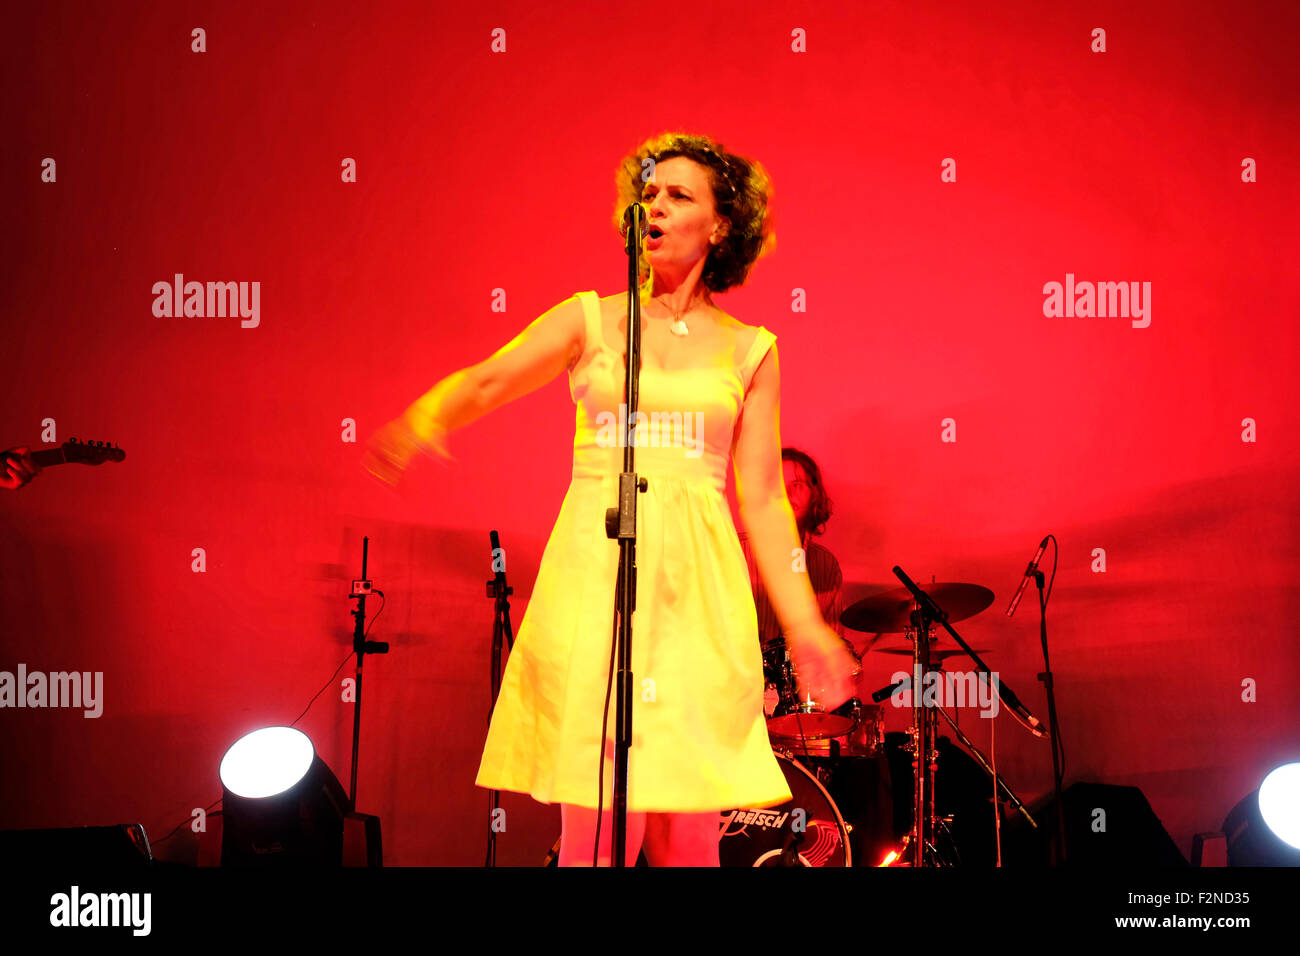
column 700, row 741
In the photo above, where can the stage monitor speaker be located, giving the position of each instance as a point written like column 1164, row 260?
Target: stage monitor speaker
column 1105, row 826
column 124, row 845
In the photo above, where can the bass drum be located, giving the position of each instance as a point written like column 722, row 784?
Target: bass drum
column 807, row 830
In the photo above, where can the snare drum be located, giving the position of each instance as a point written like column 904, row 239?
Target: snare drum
column 792, row 717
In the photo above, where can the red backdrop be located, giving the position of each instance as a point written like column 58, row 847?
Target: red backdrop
column 924, row 303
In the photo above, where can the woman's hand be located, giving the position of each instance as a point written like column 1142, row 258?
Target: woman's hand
column 825, row 666
column 389, row 450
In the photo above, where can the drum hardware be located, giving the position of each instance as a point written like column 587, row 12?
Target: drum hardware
column 900, row 610
column 920, row 845
column 967, row 600
column 867, row 738
column 936, row 655
column 800, row 724
column 943, row 852
column 890, row 612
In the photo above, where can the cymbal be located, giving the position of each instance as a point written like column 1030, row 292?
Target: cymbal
column 890, row 612
column 935, row 654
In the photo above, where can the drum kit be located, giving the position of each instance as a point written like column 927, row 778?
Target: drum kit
column 823, row 752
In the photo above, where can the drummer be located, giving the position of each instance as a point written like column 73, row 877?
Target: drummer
column 812, row 509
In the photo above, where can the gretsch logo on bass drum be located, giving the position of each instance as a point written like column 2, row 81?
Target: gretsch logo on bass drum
column 764, row 819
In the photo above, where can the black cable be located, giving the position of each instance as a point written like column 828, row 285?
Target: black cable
column 1056, row 556
column 383, row 601
column 364, row 635
column 189, row 819
column 325, row 687
column 604, row 729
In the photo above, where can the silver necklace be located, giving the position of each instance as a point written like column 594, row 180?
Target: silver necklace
column 678, row 327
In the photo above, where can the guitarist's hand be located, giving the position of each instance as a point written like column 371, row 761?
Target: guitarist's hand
column 18, row 468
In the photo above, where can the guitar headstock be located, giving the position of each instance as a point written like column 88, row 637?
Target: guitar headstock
column 90, row 452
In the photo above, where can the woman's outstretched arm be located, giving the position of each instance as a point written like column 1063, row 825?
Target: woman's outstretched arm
column 549, row 345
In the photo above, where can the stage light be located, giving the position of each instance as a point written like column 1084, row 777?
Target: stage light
column 1279, row 803
column 282, row 806
column 266, row 762
column 1264, row 828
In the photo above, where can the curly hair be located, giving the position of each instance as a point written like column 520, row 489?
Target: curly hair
column 742, row 191
column 819, row 503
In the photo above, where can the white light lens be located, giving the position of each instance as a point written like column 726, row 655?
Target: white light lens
column 266, row 762
column 1279, row 803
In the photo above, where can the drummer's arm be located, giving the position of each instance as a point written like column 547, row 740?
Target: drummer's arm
column 835, row 606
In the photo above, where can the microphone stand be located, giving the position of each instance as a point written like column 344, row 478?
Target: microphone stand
column 1046, row 678
column 620, row 523
column 501, row 630
column 361, row 647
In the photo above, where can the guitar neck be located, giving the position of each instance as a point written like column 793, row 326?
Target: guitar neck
column 74, row 452
column 49, row 456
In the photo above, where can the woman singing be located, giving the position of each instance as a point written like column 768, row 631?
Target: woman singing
column 710, row 393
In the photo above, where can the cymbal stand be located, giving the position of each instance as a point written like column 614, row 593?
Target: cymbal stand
column 925, row 754
column 925, row 613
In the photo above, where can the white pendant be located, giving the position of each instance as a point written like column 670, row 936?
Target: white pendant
column 678, row 328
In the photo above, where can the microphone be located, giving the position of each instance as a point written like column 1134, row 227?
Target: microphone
column 1029, row 573
column 499, row 576
column 644, row 216
column 885, row 693
column 1021, row 712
